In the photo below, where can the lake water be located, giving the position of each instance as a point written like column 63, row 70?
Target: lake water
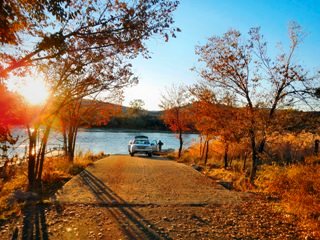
column 108, row 141
column 116, row 142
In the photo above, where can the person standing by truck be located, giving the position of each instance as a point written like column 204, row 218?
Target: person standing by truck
column 160, row 145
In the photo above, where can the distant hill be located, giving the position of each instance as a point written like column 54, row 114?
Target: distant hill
column 289, row 120
column 125, row 119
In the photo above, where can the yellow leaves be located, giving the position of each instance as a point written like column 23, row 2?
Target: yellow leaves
column 298, row 185
column 291, row 147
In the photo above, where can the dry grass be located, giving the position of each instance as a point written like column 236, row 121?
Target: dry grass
column 56, row 171
column 55, row 167
column 290, row 148
column 83, row 160
column 235, row 178
column 297, row 185
column 61, row 167
column 8, row 207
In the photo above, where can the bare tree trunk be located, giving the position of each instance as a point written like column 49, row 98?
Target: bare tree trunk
column 204, row 148
column 262, row 145
column 36, row 157
column 254, row 165
column 71, row 143
column 41, row 155
column 244, row 161
column 316, row 147
column 200, row 149
column 207, row 150
column 225, row 157
column 32, row 158
column 72, row 126
column 181, row 143
column 75, row 133
column 65, row 143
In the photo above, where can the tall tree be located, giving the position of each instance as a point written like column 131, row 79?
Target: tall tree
column 176, row 114
column 82, row 113
column 216, row 118
column 82, row 53
column 245, row 69
column 71, row 79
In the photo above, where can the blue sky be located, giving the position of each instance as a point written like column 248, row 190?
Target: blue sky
column 201, row 19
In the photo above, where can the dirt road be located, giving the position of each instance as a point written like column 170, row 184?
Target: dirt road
column 122, row 197
column 144, row 181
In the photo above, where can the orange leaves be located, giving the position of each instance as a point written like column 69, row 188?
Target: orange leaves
column 176, row 106
column 297, row 185
column 11, row 110
column 178, row 119
column 88, row 113
column 213, row 119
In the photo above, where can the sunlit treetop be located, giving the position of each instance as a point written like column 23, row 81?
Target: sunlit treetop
column 27, row 15
column 114, row 27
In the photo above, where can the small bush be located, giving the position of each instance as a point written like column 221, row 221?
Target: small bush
column 212, row 165
column 237, row 166
column 76, row 169
column 172, row 156
column 186, row 158
column 88, row 157
column 54, row 176
column 222, row 174
column 312, row 160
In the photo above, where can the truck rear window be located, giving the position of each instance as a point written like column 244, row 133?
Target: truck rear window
column 141, row 141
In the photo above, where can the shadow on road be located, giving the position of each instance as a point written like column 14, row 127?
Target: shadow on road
column 132, row 223
column 34, row 224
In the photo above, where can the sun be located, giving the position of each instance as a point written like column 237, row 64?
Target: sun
column 34, row 91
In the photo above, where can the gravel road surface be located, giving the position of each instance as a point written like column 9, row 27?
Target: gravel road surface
column 123, row 197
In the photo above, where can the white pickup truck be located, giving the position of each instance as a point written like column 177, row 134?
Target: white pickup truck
column 141, row 144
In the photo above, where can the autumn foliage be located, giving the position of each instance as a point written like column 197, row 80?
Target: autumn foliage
column 260, row 84
column 11, row 110
column 82, row 113
column 177, row 114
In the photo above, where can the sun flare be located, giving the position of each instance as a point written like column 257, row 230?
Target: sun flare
column 34, row 91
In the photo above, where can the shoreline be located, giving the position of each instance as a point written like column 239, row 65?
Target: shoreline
column 102, row 129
